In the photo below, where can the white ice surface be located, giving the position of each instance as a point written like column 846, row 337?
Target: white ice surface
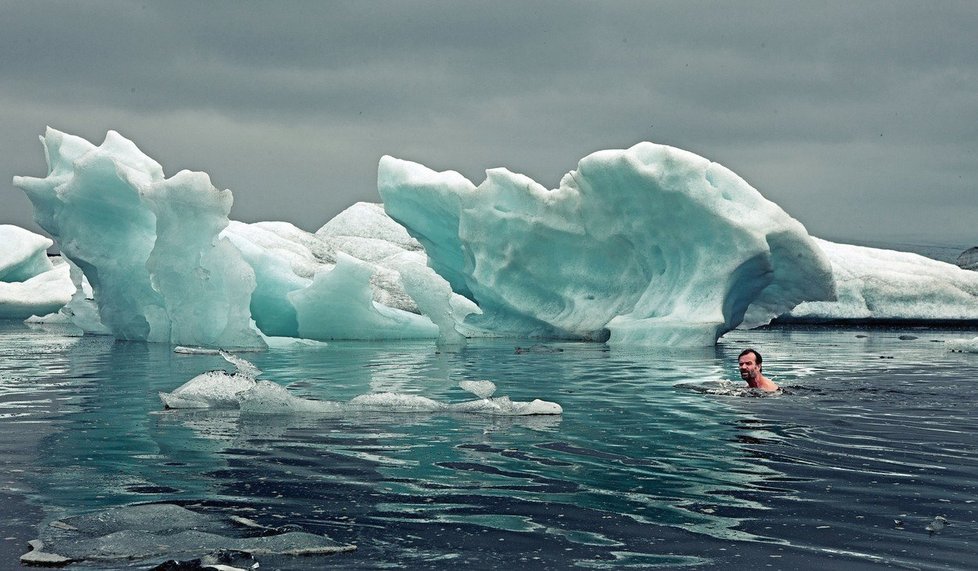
column 23, row 254
column 149, row 245
column 962, row 345
column 877, row 285
column 650, row 245
column 30, row 283
column 241, row 390
column 654, row 244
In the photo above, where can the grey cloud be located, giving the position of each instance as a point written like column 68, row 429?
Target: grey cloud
column 812, row 102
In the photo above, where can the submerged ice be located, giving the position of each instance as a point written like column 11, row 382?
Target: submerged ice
column 141, row 533
column 648, row 245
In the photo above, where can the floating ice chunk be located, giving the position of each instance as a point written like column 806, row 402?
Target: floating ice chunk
column 244, row 366
column 503, row 406
column 396, row 402
column 653, row 244
column 481, row 389
column 38, row 557
column 884, row 285
column 267, row 397
column 196, row 350
column 214, row 389
column 219, row 389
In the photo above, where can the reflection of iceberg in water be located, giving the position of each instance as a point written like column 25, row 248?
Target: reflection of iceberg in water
column 219, row 389
column 633, row 457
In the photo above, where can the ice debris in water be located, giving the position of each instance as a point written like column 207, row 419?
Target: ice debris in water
column 481, row 389
column 143, row 532
column 243, row 366
column 213, row 389
column 196, row 350
column 220, row 389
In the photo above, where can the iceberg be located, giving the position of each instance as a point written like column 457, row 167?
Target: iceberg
column 648, row 245
column 885, row 286
column 358, row 277
column 166, row 264
column 149, row 245
column 30, row 283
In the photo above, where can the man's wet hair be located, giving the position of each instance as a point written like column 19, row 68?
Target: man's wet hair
column 757, row 356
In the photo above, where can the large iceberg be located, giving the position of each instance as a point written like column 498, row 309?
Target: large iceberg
column 166, row 264
column 650, row 245
column 148, row 245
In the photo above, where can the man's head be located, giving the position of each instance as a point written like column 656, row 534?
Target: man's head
column 749, row 363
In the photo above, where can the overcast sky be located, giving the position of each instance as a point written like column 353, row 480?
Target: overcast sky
column 859, row 118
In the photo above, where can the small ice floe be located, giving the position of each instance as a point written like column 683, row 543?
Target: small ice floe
column 481, row 389
column 215, row 389
column 195, row 350
column 40, row 558
column 241, row 390
column 501, row 405
column 962, row 345
column 939, row 523
column 538, row 348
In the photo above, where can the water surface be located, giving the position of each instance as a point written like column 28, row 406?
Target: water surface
column 659, row 459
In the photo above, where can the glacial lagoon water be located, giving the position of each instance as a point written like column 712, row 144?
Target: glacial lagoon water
column 660, row 458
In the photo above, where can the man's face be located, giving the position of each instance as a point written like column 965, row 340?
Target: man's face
column 748, row 367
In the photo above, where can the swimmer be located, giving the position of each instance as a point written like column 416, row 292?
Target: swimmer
column 749, row 364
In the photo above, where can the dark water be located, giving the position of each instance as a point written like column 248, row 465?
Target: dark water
column 648, row 466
